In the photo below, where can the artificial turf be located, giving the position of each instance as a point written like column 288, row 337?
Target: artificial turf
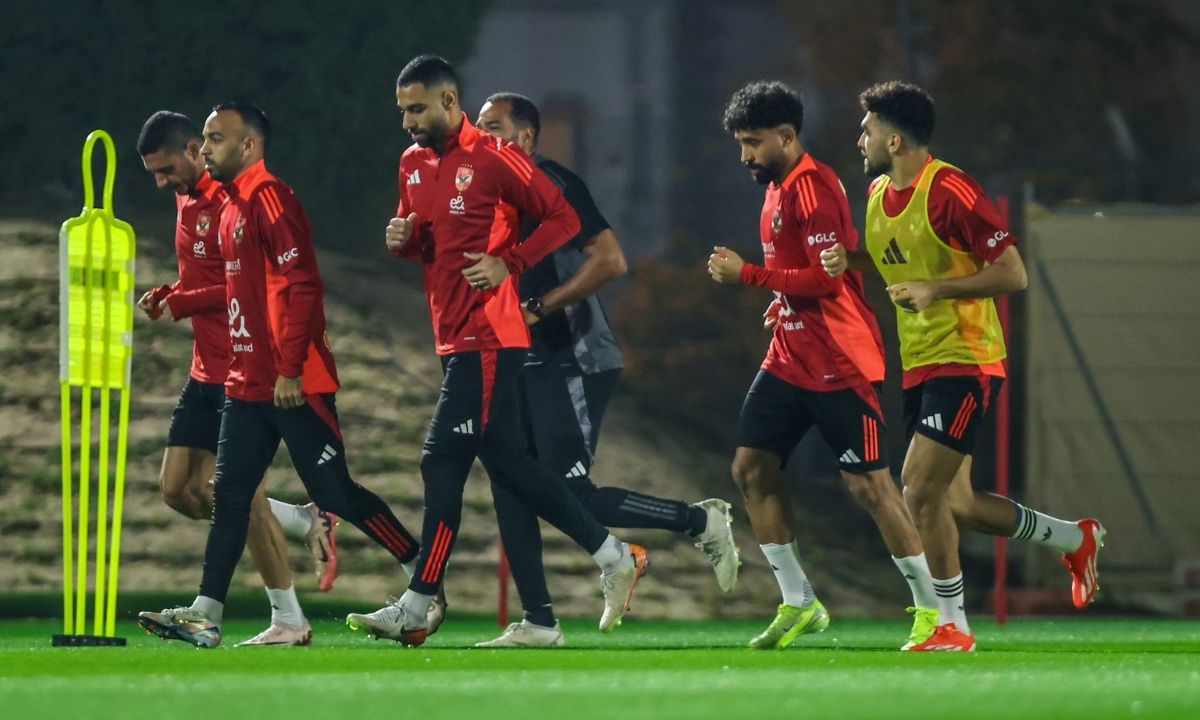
column 1069, row 668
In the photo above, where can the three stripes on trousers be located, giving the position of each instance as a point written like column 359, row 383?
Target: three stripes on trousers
column 961, row 420
column 870, row 444
column 436, row 562
column 391, row 538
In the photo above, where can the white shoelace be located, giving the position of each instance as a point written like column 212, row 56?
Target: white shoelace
column 183, row 614
column 392, row 612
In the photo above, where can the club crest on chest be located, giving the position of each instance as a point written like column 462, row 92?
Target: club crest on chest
column 463, row 177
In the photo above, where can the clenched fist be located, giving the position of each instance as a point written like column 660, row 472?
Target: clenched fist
column 399, row 231
column 725, row 266
column 834, row 260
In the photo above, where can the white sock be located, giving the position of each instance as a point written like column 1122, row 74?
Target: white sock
column 285, row 607
column 213, row 609
column 417, row 603
column 611, row 552
column 1046, row 530
column 793, row 583
column 410, row 567
column 295, row 519
column 916, row 571
column 950, row 602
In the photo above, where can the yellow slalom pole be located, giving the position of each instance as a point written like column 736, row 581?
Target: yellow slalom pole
column 105, row 435
column 68, row 493
column 81, row 552
column 68, row 501
column 118, row 507
column 85, row 428
column 119, row 489
column 98, row 592
column 96, row 306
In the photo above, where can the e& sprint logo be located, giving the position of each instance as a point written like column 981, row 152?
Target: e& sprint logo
column 237, row 327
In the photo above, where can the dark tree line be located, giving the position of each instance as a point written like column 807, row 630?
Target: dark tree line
column 1091, row 100
column 324, row 72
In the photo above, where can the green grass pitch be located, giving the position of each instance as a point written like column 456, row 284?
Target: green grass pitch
column 1068, row 668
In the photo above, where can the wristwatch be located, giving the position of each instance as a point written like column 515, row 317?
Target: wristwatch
column 534, row 306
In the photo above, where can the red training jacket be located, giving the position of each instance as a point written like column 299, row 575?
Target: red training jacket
column 827, row 338
column 469, row 199
column 199, row 293
column 273, row 289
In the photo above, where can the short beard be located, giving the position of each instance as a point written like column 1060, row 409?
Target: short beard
column 217, row 173
column 877, row 169
column 763, row 175
column 226, row 174
column 435, row 137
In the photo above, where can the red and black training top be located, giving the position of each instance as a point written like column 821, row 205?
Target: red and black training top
column 827, row 337
column 273, row 289
column 470, row 199
column 199, row 293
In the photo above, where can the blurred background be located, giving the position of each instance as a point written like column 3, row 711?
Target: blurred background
column 1082, row 117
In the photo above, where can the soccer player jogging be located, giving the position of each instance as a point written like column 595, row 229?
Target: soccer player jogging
column 569, row 378
column 940, row 244
column 823, row 368
column 170, row 148
column 461, row 192
column 281, row 379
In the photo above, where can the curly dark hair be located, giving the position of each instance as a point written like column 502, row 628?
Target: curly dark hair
column 902, row 105
column 764, row 104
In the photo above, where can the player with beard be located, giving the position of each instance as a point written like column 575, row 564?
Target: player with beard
column 461, row 195
column 940, row 244
column 824, row 366
column 281, row 380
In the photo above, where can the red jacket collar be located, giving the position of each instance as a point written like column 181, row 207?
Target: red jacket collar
column 805, row 165
column 206, row 187
column 250, row 178
column 466, row 137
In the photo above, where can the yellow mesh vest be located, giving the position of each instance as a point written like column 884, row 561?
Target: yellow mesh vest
column 905, row 248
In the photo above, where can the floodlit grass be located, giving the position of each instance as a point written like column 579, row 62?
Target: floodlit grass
column 1077, row 667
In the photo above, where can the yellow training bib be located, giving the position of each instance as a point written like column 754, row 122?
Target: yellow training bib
column 905, row 248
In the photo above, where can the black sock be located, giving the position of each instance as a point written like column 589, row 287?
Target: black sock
column 522, row 538
column 697, row 521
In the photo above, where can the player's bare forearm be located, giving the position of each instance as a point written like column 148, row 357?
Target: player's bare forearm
column 605, row 262
column 860, row 261
column 1005, row 275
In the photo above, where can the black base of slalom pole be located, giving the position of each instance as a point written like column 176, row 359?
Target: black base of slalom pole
column 86, row 641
